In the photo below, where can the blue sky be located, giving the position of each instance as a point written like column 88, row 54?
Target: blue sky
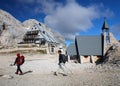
column 68, row 17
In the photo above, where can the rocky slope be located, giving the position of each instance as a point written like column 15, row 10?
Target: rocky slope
column 112, row 61
column 12, row 30
column 7, row 18
column 29, row 23
column 113, row 54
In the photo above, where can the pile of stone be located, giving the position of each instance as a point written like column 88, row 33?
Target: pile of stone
column 112, row 61
column 113, row 54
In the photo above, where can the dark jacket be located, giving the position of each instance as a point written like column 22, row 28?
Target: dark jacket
column 60, row 58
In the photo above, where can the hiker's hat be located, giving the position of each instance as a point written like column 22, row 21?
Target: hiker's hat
column 18, row 54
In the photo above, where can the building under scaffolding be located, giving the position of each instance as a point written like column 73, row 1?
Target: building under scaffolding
column 38, row 35
column 41, row 37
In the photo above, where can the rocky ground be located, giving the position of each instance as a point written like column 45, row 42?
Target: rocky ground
column 38, row 71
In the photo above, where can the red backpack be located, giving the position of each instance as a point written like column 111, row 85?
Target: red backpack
column 20, row 60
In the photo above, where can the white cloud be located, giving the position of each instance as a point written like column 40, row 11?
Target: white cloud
column 68, row 18
column 71, row 18
column 116, row 29
column 48, row 6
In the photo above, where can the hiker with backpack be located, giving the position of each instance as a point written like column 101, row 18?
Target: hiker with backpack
column 61, row 63
column 19, row 61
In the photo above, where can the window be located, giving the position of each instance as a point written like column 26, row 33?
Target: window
column 44, row 32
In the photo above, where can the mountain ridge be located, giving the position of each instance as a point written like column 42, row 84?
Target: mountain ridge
column 15, row 30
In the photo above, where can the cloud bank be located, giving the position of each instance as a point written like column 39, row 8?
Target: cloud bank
column 68, row 18
column 72, row 18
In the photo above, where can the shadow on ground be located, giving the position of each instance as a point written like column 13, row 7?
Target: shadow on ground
column 27, row 72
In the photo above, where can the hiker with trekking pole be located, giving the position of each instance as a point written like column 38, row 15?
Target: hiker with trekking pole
column 18, row 62
column 61, row 64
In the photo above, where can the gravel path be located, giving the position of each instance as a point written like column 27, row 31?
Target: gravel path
column 39, row 70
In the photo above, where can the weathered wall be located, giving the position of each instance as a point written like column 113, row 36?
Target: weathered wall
column 113, row 41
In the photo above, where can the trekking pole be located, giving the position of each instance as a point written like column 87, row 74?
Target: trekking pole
column 68, row 69
column 12, row 65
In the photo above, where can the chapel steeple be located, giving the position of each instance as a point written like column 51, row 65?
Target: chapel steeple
column 105, row 26
column 105, row 31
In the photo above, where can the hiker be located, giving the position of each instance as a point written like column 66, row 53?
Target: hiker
column 61, row 64
column 19, row 61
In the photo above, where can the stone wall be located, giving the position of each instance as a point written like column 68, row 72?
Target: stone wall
column 113, row 41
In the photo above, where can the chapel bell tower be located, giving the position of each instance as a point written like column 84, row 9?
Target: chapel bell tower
column 105, row 32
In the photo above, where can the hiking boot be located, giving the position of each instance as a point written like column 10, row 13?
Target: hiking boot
column 64, row 75
column 16, row 72
column 21, row 74
column 55, row 73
